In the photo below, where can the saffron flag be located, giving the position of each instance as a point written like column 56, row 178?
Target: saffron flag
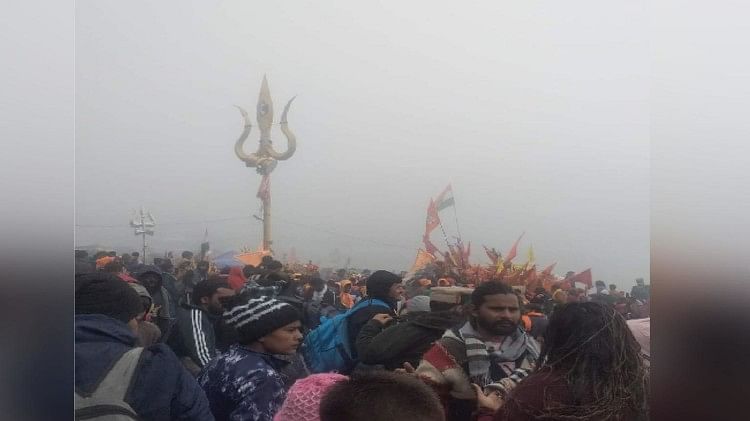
column 513, row 250
column 428, row 245
column 445, row 199
column 583, row 277
column 422, row 260
column 548, row 269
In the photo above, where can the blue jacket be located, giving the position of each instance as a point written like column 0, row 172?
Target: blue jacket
column 161, row 390
column 244, row 385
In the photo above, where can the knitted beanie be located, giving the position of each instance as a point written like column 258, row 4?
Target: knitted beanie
column 303, row 400
column 379, row 283
column 257, row 317
column 105, row 293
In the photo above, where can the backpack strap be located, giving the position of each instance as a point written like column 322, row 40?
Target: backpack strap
column 117, row 381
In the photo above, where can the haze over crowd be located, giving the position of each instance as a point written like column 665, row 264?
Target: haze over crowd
column 540, row 124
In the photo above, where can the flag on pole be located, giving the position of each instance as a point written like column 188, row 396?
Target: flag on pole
column 548, row 270
column 513, row 250
column 422, row 260
column 445, row 199
column 531, row 259
column 428, row 245
column 433, row 220
column 583, row 277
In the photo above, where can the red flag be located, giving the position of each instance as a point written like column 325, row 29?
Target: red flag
column 548, row 269
column 264, row 191
column 513, row 250
column 433, row 220
column 583, row 277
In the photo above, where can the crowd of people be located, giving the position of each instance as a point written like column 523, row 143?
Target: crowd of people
column 183, row 339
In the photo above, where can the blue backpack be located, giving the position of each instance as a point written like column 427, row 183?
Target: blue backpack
column 326, row 348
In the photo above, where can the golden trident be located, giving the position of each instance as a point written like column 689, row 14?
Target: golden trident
column 264, row 160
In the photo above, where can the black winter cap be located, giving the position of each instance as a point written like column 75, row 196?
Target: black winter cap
column 107, row 294
column 379, row 283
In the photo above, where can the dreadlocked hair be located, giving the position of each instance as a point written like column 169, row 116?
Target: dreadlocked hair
column 592, row 346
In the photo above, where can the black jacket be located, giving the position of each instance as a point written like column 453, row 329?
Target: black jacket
column 392, row 346
column 194, row 336
column 161, row 390
column 362, row 316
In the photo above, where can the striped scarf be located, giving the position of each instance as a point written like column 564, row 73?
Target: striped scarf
column 479, row 357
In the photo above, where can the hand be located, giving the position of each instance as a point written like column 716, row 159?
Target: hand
column 493, row 400
column 382, row 318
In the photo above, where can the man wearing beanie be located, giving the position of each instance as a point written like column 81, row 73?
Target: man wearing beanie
column 245, row 382
column 384, row 286
column 106, row 309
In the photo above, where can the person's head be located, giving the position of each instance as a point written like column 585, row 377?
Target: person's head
column 592, row 345
column 496, row 309
column 317, row 284
column 420, row 303
column 265, row 261
column 248, row 271
column 612, row 287
column 381, row 396
column 150, row 277
column 302, row 403
column 275, row 265
column 554, row 287
column 112, row 254
column 126, row 259
column 158, row 261
column 385, row 285
column 346, row 285
column 146, row 299
column 639, row 282
column 167, row 266
column 187, row 255
column 264, row 324
column 202, row 267
column 106, row 294
column 600, row 286
column 113, row 267
column 136, row 255
column 208, row 293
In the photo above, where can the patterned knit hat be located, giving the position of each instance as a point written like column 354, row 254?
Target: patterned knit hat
column 257, row 317
column 303, row 400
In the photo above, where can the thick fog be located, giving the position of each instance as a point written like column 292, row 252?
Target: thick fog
column 537, row 114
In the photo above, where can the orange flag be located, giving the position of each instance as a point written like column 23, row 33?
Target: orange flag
column 548, row 269
column 583, row 277
column 423, row 259
column 513, row 250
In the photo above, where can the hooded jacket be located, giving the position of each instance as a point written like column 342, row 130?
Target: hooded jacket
column 378, row 286
column 407, row 341
column 161, row 390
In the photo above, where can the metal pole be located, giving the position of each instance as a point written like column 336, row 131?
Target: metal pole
column 267, row 220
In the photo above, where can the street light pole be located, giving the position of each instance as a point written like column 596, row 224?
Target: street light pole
column 143, row 224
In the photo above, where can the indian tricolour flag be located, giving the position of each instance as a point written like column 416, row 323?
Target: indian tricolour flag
column 445, row 199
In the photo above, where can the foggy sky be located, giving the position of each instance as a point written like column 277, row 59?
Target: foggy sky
column 538, row 114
